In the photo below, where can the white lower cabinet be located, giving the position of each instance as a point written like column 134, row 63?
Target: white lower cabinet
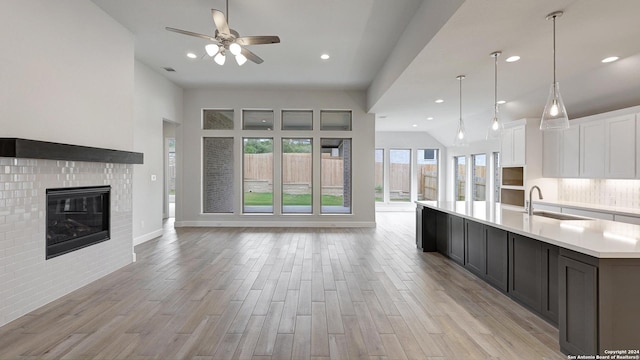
column 627, row 219
column 588, row 213
column 547, row 207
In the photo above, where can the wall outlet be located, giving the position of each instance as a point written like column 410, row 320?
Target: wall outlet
column 154, row 177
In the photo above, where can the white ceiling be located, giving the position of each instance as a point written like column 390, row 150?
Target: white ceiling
column 360, row 35
column 356, row 33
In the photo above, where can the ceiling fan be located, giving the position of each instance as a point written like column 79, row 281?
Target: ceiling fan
column 226, row 40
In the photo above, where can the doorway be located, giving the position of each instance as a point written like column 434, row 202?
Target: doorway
column 169, row 208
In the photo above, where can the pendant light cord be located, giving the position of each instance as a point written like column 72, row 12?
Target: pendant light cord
column 554, row 49
column 461, row 99
column 495, row 87
column 228, row 13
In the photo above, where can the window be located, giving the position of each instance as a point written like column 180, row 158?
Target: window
column 335, row 173
column 460, row 175
column 217, row 154
column 257, row 119
column 379, row 175
column 217, row 119
column 427, row 173
column 400, row 175
column 479, row 177
column 335, row 120
column 297, row 176
column 258, row 175
column 496, row 177
column 297, row 120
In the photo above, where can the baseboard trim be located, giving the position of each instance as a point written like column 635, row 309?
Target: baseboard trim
column 383, row 208
column 146, row 237
column 281, row 224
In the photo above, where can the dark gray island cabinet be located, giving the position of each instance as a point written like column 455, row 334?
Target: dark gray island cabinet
column 595, row 302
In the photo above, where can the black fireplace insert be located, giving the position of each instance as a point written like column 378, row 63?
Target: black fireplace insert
column 77, row 218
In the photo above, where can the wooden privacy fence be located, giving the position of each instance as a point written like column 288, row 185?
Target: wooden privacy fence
column 479, row 181
column 400, row 179
column 296, row 168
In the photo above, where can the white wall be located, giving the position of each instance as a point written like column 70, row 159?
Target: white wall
column 425, row 24
column 156, row 99
column 189, row 154
column 414, row 141
column 66, row 74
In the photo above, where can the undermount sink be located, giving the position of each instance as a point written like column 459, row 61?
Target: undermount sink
column 559, row 216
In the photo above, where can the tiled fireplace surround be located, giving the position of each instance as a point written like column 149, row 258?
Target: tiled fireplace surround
column 27, row 280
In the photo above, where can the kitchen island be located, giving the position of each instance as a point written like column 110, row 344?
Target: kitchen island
column 582, row 275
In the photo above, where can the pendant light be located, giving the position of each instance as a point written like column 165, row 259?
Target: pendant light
column 460, row 139
column 495, row 127
column 554, row 116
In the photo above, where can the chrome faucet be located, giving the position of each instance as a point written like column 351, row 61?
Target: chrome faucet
column 530, row 210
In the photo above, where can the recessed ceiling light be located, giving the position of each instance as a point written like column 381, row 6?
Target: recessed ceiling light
column 415, row 125
column 325, row 56
column 610, row 59
column 500, row 102
column 430, row 118
column 192, row 55
column 513, row 58
column 439, row 101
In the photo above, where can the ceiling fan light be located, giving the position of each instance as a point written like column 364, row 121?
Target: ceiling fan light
column 220, row 58
column 235, row 49
column 241, row 59
column 211, row 49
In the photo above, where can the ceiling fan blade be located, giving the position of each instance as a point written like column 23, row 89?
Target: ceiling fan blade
column 220, row 21
column 185, row 32
column 257, row 40
column 251, row 56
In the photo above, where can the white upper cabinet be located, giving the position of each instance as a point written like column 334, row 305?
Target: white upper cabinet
column 513, row 145
column 621, row 155
column 602, row 146
column 506, row 153
column 551, row 154
column 638, row 145
column 592, row 149
column 519, row 142
column 571, row 152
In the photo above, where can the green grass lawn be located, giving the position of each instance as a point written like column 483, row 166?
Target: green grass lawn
column 253, row 198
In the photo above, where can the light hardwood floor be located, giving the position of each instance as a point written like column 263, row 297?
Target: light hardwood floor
column 247, row 293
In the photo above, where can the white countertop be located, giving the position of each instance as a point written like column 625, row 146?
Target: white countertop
column 598, row 238
column 601, row 208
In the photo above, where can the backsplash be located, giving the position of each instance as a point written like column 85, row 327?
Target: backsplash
column 607, row 192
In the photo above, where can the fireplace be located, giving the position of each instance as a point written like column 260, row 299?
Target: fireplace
column 76, row 218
